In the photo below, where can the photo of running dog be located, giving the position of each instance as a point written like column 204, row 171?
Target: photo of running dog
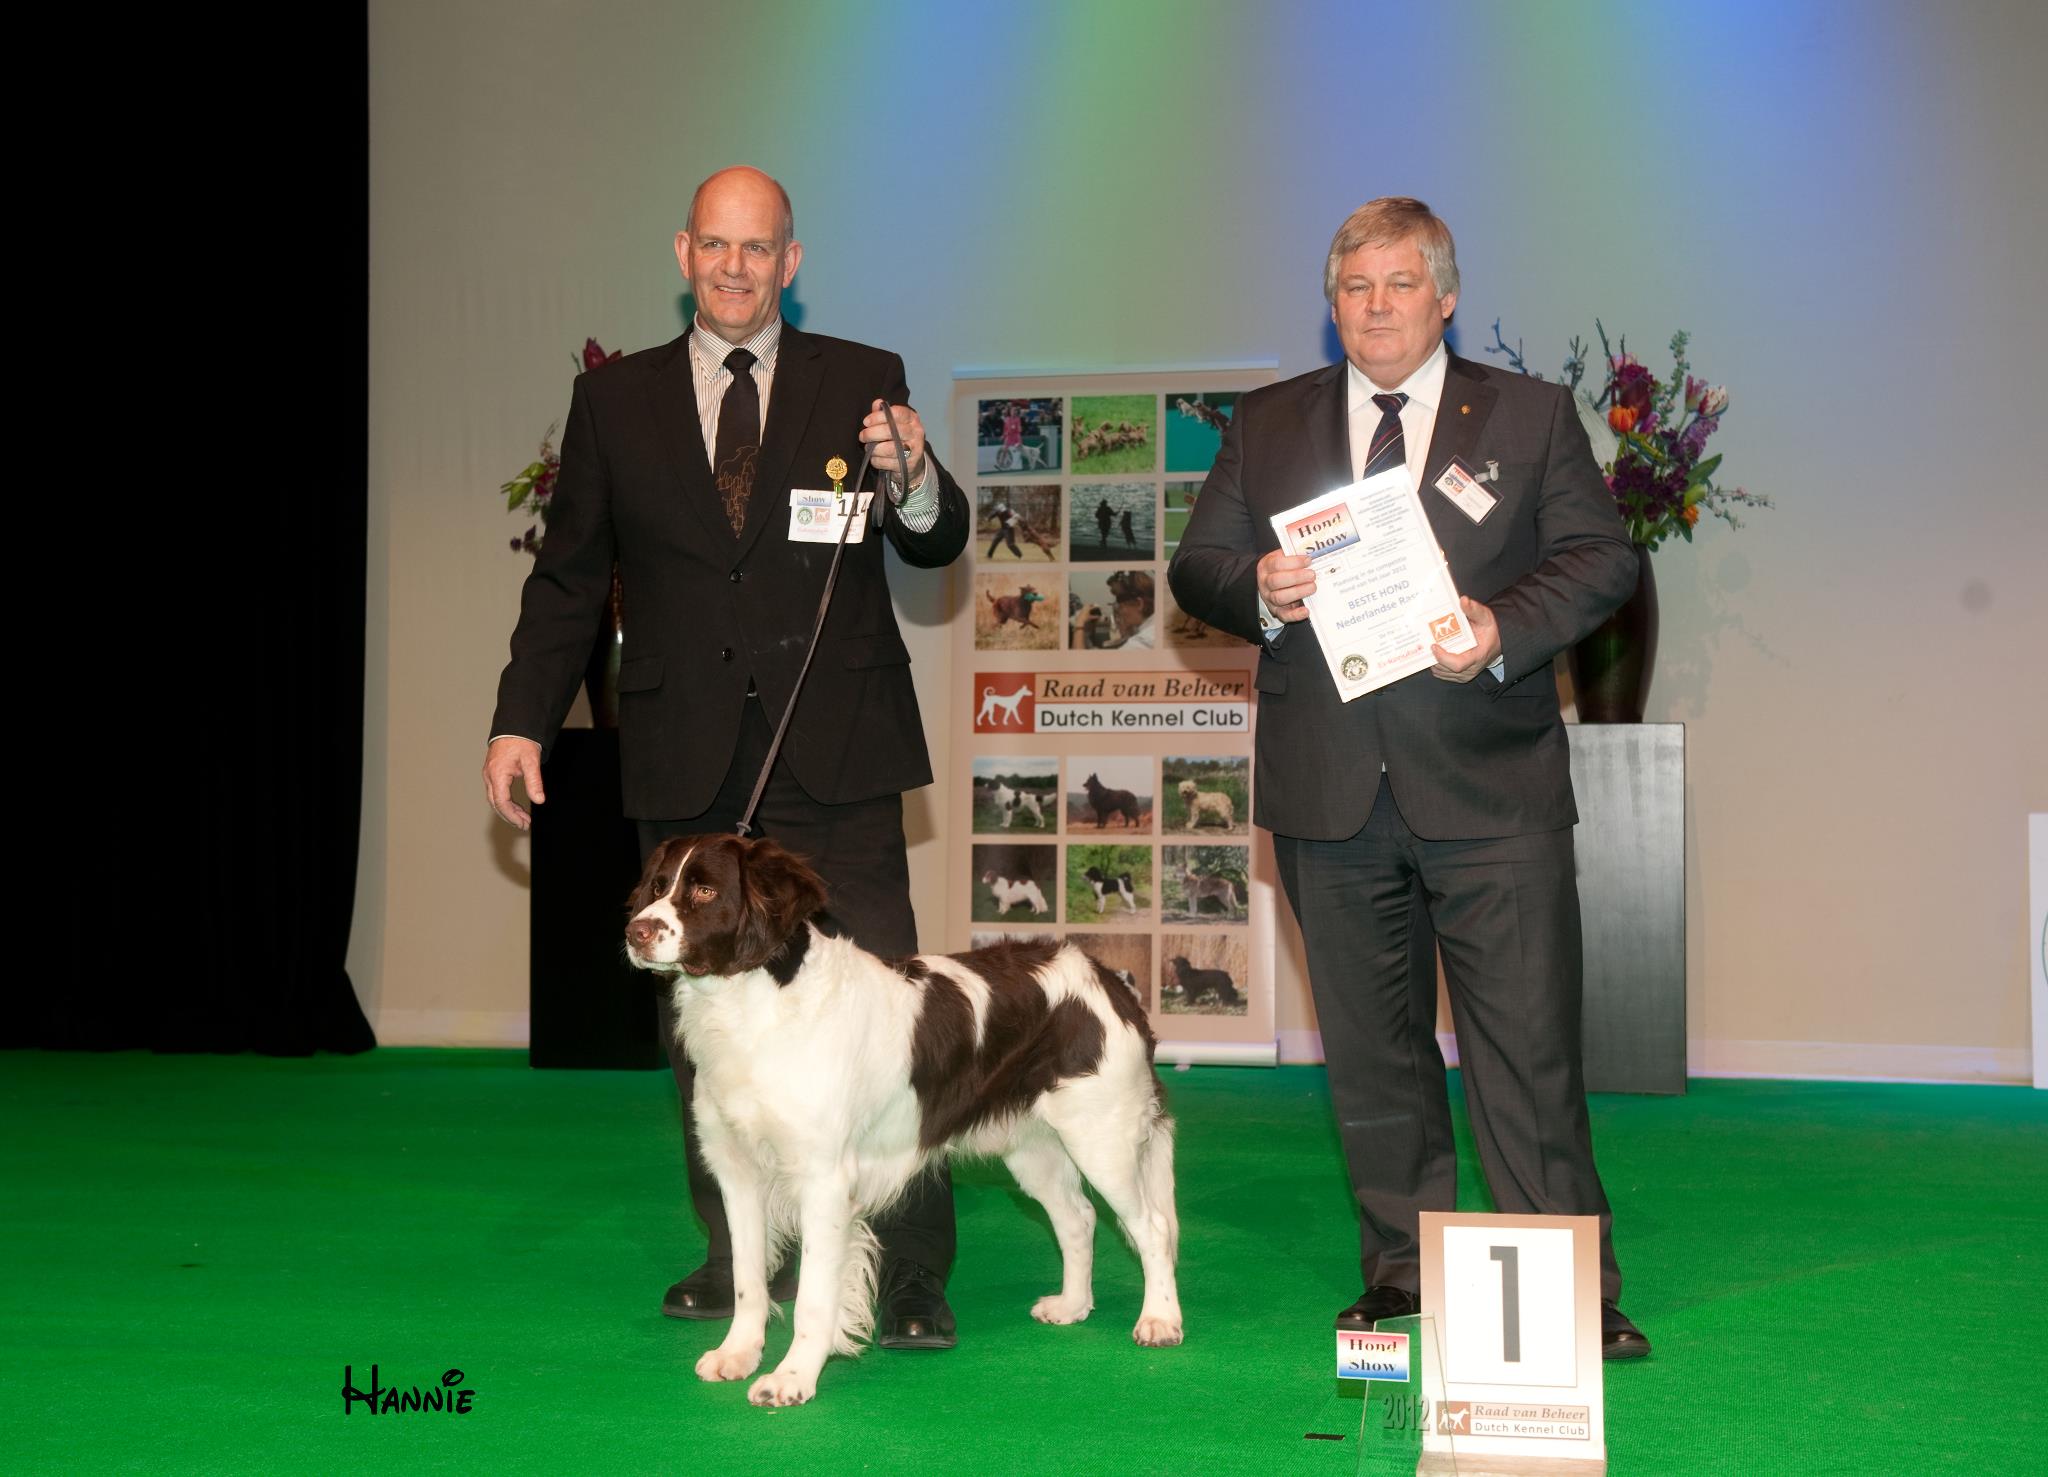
column 1013, row 612
column 1021, row 523
column 1113, row 522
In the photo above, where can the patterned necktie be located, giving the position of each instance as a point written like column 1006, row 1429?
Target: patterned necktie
column 739, row 439
column 1388, row 449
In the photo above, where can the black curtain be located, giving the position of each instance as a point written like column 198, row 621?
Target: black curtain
column 191, row 785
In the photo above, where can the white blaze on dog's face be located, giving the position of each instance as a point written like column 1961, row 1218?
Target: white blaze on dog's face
column 654, row 927
column 717, row 905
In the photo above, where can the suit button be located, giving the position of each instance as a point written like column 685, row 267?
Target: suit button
column 725, row 654
column 735, row 576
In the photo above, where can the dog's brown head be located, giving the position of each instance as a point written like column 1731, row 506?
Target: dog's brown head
column 718, row 905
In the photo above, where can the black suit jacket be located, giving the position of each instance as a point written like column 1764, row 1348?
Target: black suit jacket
column 1478, row 759
column 703, row 610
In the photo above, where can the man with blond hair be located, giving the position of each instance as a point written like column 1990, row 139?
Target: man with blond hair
column 677, row 464
column 1436, row 810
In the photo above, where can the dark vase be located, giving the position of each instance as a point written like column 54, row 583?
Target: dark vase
column 1611, row 668
column 601, row 673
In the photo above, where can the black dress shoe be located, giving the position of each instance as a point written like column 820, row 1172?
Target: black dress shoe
column 1619, row 1338
column 707, row 1292
column 1377, row 1303
column 913, row 1312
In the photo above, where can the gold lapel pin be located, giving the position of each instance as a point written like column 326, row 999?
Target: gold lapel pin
column 836, row 470
column 1464, row 410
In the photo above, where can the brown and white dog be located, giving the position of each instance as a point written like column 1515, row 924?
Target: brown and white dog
column 828, row 1078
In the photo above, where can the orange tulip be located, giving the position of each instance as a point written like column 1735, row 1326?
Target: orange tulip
column 1622, row 418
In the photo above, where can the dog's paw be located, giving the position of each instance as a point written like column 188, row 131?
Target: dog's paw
column 1155, row 1332
column 784, row 1387
column 1058, row 1308
column 729, row 1364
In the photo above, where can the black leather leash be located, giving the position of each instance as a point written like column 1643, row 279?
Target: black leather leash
column 876, row 510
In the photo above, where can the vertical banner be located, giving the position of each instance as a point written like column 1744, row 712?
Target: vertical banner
column 1103, row 735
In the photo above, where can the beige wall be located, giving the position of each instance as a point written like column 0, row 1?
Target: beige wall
column 1846, row 216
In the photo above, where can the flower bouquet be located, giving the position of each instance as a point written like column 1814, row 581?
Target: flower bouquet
column 531, row 490
column 1650, row 437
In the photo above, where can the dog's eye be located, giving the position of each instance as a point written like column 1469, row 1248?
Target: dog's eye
column 702, row 893
column 659, row 884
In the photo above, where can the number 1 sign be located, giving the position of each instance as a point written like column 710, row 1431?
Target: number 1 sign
column 1517, row 1303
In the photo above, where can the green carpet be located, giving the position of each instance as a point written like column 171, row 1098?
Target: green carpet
column 1837, row 1278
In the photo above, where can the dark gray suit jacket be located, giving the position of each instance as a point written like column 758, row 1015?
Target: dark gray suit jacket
column 1479, row 759
column 703, row 609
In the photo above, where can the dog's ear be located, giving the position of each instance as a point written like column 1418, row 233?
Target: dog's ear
column 780, row 892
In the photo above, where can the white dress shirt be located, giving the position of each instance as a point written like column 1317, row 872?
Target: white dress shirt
column 1425, row 391
column 919, row 509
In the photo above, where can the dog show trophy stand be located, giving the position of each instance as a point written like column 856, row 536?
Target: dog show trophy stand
column 1516, row 1301
column 1397, row 1364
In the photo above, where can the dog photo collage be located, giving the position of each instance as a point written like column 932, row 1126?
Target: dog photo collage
column 1142, row 856
column 1070, row 846
column 1079, row 502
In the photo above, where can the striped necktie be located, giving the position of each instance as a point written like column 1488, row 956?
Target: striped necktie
column 1388, row 449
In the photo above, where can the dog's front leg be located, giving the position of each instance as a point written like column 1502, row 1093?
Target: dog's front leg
column 746, row 1217
column 826, row 1218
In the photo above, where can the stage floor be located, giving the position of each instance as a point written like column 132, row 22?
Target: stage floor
column 1837, row 1278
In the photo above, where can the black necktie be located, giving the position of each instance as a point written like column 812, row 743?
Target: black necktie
column 739, row 439
column 1388, row 449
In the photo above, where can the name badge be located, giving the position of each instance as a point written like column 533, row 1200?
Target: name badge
column 1462, row 487
column 817, row 517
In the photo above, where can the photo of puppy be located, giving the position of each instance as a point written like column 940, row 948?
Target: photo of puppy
column 1115, row 433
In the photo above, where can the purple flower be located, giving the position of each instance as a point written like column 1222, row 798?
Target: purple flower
column 1694, row 440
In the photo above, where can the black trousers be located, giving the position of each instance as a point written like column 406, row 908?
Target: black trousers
column 1374, row 909
column 859, row 850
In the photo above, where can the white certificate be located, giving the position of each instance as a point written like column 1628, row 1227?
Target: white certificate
column 1383, row 593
